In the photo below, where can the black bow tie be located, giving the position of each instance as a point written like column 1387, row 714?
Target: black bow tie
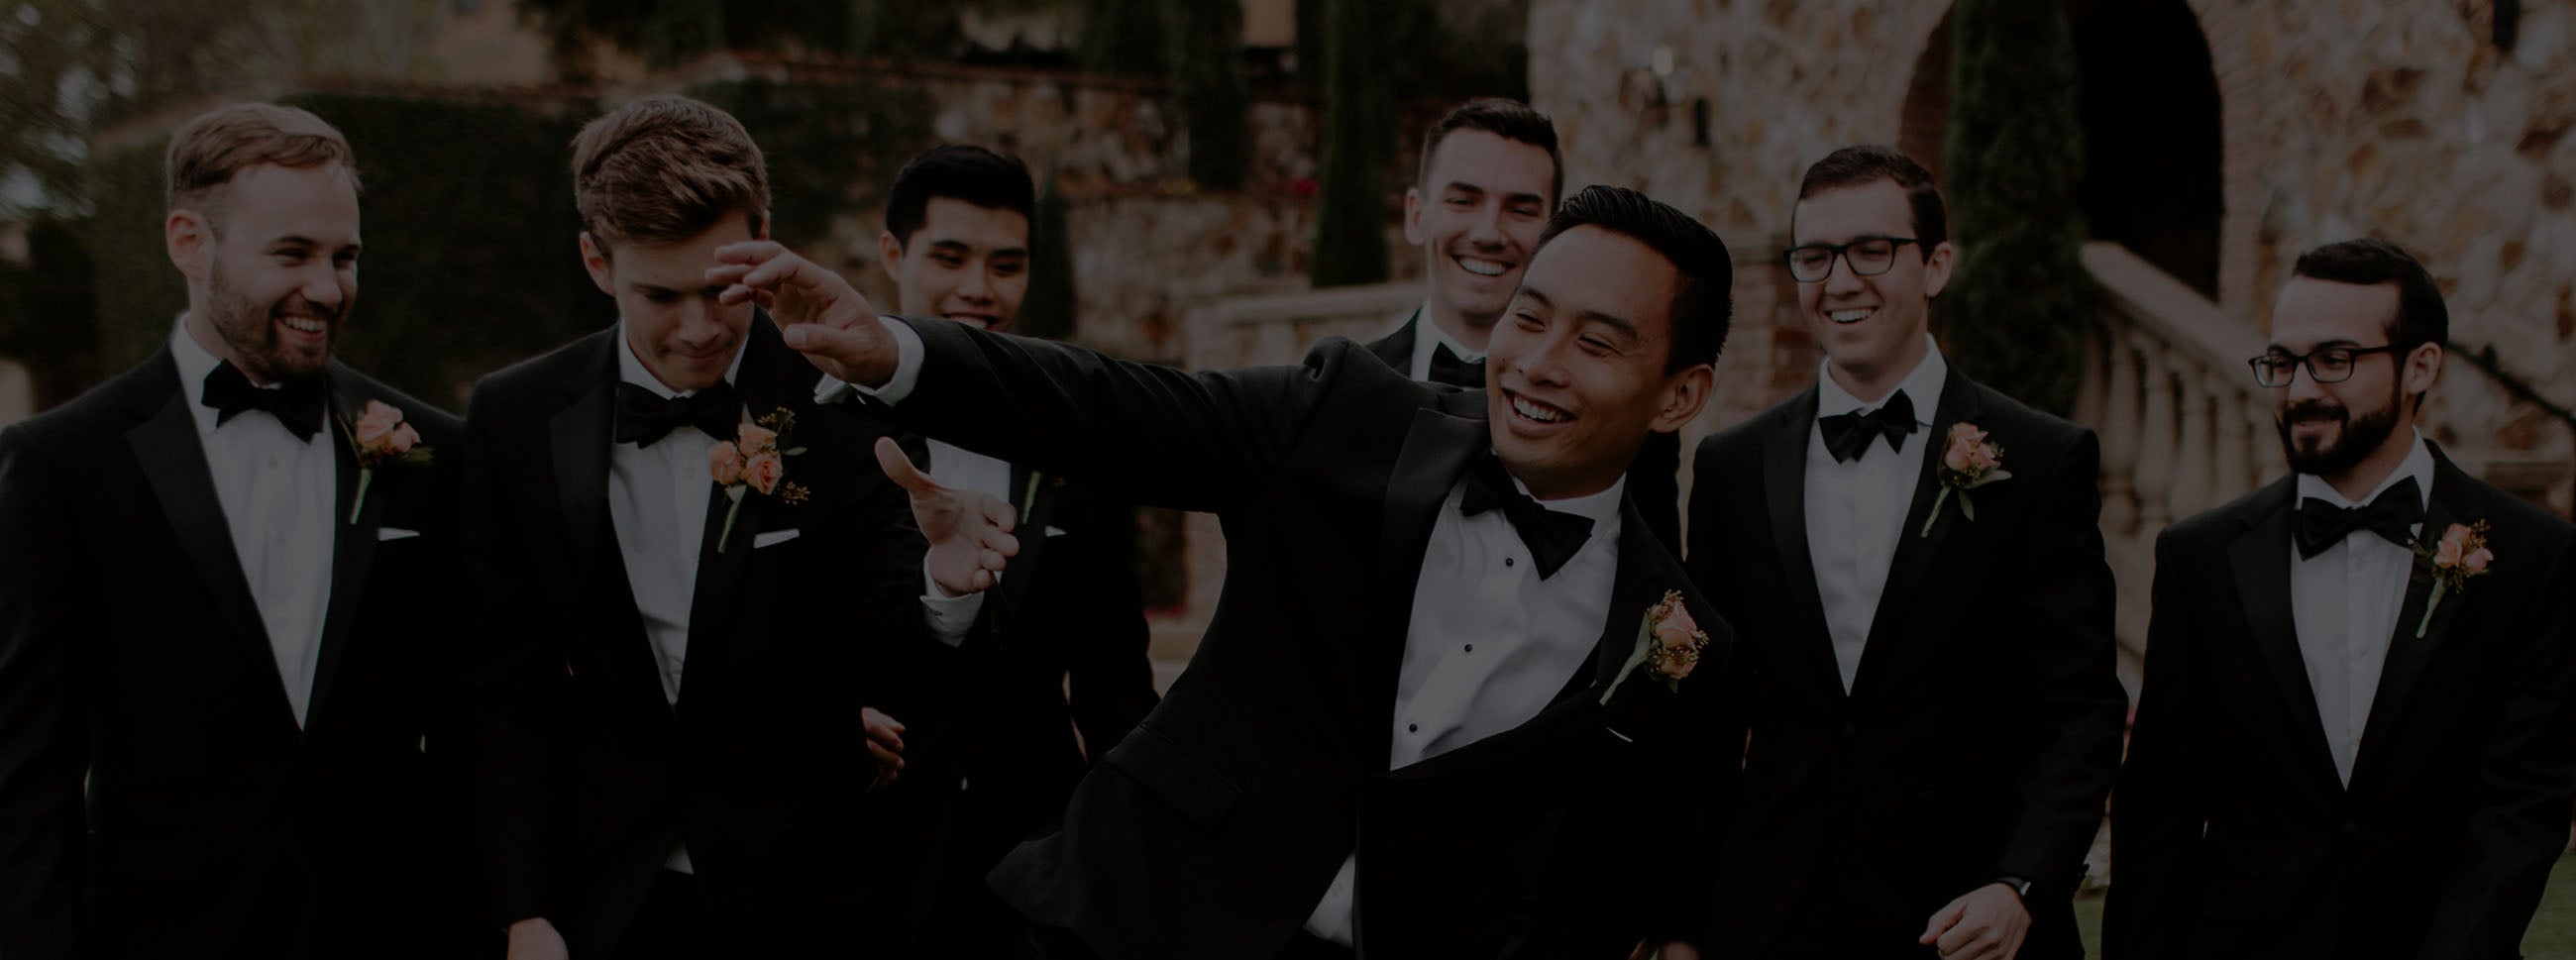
column 296, row 403
column 1552, row 536
column 1847, row 435
column 644, row 416
column 1449, row 369
column 2392, row 515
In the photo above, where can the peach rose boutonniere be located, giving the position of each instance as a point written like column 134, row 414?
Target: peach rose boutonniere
column 1668, row 645
column 381, row 438
column 754, row 461
column 1971, row 461
column 2460, row 556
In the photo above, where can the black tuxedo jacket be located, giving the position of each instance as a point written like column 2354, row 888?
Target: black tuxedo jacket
column 132, row 655
column 1983, row 728
column 2233, row 836
column 1654, row 480
column 581, row 775
column 1053, row 674
column 1214, row 828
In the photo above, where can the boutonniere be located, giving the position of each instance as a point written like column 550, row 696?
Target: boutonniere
column 2461, row 555
column 1971, row 461
column 755, row 460
column 1668, row 645
column 381, row 438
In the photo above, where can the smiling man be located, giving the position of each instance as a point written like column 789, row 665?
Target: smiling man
column 666, row 746
column 219, row 634
column 1933, row 712
column 1394, row 736
column 2411, row 798
column 1490, row 176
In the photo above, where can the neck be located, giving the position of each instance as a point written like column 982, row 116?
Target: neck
column 1872, row 386
column 1469, row 332
column 2374, row 469
column 202, row 330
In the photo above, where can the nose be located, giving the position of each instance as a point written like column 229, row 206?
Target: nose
column 321, row 287
column 1485, row 227
column 2303, row 385
column 1544, row 364
column 700, row 321
column 1840, row 278
column 978, row 286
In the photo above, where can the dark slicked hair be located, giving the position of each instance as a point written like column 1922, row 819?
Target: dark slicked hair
column 2421, row 316
column 1870, row 163
column 965, row 172
column 1503, row 117
column 1703, row 294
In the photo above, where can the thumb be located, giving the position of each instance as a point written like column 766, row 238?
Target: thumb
column 828, row 340
column 899, row 468
column 1948, row 917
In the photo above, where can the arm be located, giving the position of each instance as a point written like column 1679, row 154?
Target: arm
column 44, row 750
column 2062, row 609
column 2156, row 816
column 2526, row 778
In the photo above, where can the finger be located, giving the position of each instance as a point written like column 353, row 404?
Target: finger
column 727, row 275
column 884, row 757
column 753, row 252
column 1003, row 516
column 1962, row 937
column 999, row 544
column 1945, row 919
column 838, row 344
column 898, row 467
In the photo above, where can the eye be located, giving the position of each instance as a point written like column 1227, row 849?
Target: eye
column 1529, row 210
column 1597, row 347
column 1009, row 269
column 1462, row 202
column 661, row 296
column 1528, row 321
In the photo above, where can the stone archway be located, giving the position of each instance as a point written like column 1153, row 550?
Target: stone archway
column 2159, row 159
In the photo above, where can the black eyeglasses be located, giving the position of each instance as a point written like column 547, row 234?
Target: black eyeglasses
column 2325, row 364
column 1868, row 257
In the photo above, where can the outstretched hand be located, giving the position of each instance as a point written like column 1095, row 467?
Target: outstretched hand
column 817, row 310
column 969, row 532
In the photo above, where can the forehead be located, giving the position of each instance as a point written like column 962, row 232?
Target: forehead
column 1490, row 162
column 1592, row 270
column 266, row 202
column 950, row 220
column 2312, row 311
column 681, row 265
column 1839, row 215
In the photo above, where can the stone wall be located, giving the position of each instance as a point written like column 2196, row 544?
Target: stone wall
column 2337, row 119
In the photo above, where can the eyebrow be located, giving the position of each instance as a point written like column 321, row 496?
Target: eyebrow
column 1620, row 324
column 960, row 246
column 298, row 240
column 1455, row 186
column 2319, row 345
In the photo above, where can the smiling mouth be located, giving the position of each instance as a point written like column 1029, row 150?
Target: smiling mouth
column 1536, row 412
column 1849, row 317
column 308, row 326
column 1482, row 267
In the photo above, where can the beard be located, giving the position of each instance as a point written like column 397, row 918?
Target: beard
column 250, row 329
column 2359, row 436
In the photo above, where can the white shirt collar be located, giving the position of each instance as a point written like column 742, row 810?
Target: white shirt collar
column 195, row 362
column 1922, row 387
column 632, row 370
column 2418, row 465
column 1601, row 508
column 1428, row 336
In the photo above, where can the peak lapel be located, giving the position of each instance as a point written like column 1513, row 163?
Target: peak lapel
column 1915, row 550
column 353, row 546
column 1784, row 489
column 1438, row 448
column 2408, row 654
column 2260, row 561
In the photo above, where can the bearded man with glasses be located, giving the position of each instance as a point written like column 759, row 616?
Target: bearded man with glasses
column 2355, row 737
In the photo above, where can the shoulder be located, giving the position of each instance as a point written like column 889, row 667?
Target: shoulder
column 1747, row 437
column 2510, row 519
column 106, row 409
column 528, row 379
column 2211, row 531
column 432, row 421
column 2012, row 421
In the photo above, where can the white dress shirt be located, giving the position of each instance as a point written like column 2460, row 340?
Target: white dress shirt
column 2344, row 604
column 657, row 497
column 279, row 495
column 1489, row 643
column 1428, row 338
column 1856, row 510
column 950, row 617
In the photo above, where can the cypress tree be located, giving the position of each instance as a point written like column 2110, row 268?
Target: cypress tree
column 1350, row 216
column 1048, row 311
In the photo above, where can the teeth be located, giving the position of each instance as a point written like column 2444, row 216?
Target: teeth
column 1849, row 316
column 1481, row 268
column 305, row 324
column 1536, row 412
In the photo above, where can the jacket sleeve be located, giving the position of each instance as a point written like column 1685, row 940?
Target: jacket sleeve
column 44, row 739
column 2162, row 801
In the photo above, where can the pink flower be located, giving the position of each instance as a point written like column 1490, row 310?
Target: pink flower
column 376, row 421
column 2448, row 554
column 756, row 439
column 2476, row 562
column 724, row 463
column 763, row 470
column 401, row 440
column 1968, row 451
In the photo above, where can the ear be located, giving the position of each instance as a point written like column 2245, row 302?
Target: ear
column 1684, row 394
column 190, row 241
column 2423, row 369
column 890, row 255
column 1413, row 232
column 1936, row 268
column 765, row 221
column 594, row 258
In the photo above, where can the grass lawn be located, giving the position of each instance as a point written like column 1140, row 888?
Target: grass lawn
column 2552, row 936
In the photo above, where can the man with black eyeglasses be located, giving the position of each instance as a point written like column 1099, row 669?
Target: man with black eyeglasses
column 1933, row 709
column 2355, row 736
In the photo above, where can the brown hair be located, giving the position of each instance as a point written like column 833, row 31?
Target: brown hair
column 208, row 151
column 1503, row 117
column 664, row 169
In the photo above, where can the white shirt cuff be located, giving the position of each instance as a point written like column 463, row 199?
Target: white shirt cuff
column 949, row 617
column 907, row 370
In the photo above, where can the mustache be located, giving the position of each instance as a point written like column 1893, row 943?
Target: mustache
column 2324, row 409
column 299, row 305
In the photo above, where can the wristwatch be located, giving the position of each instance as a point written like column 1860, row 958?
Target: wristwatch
column 2020, row 887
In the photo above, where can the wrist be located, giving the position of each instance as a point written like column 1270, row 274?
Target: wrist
column 2019, row 886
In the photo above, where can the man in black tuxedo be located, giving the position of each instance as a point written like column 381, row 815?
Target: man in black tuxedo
column 1393, row 737
column 1490, row 174
column 1933, row 714
column 685, row 585
column 1055, row 669
column 2353, row 740
column 223, row 602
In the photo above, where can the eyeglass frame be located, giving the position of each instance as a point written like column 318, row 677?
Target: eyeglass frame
column 2309, row 361
column 1842, row 251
